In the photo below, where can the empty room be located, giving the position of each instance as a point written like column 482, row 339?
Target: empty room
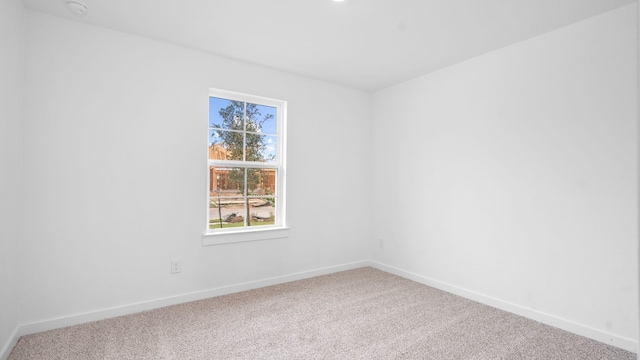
column 319, row 179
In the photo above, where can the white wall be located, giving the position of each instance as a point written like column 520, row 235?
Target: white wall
column 513, row 176
column 115, row 171
column 11, row 95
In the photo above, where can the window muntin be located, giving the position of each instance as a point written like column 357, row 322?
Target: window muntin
column 245, row 158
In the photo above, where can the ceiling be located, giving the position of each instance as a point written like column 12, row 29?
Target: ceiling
column 363, row 44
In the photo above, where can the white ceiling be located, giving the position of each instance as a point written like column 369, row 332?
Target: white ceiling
column 364, row 44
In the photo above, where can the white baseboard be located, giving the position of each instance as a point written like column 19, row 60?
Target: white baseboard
column 76, row 319
column 564, row 324
column 11, row 342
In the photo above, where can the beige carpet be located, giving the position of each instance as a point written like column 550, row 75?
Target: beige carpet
column 357, row 314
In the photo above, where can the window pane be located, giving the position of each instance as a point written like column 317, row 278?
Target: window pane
column 226, row 212
column 267, row 121
column 262, row 211
column 261, row 148
column 226, row 114
column 261, row 182
column 226, row 181
column 228, row 145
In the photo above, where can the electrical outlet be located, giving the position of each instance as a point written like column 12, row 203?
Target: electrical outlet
column 176, row 266
column 381, row 243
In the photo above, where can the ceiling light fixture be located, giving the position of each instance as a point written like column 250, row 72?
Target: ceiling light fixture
column 77, row 7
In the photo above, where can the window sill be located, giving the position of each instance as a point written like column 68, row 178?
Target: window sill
column 244, row 236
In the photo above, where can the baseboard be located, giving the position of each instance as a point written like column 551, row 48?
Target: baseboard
column 564, row 324
column 76, row 319
column 9, row 345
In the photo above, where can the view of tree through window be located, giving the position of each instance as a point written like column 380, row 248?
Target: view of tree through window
column 243, row 163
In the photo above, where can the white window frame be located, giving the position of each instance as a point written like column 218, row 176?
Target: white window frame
column 262, row 232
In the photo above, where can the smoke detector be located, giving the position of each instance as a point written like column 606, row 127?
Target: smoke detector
column 77, row 7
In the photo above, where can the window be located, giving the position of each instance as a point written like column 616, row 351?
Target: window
column 246, row 163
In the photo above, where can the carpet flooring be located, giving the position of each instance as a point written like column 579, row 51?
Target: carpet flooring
column 356, row 314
